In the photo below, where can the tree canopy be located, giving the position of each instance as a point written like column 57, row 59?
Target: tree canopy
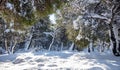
column 27, row 12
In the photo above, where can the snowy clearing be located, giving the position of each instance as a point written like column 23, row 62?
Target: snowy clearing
column 59, row 61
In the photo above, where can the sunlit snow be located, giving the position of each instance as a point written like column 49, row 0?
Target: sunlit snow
column 59, row 60
column 52, row 18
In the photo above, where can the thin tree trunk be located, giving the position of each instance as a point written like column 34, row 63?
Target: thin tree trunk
column 89, row 49
column 61, row 46
column 5, row 39
column 119, row 47
column 13, row 47
column 6, row 47
column 71, row 47
column 52, row 42
column 93, row 46
column 101, row 46
column 28, row 43
column 90, row 46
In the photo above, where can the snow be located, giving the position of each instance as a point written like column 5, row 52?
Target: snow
column 12, row 23
column 20, row 31
column 48, row 33
column 93, row 15
column 8, row 30
column 13, row 30
column 52, row 18
column 76, row 22
column 9, row 5
column 78, row 37
column 59, row 61
column 93, row 1
column 75, row 25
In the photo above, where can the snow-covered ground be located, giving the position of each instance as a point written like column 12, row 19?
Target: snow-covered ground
column 59, row 61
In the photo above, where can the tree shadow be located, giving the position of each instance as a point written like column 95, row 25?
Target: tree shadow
column 8, row 57
column 63, row 54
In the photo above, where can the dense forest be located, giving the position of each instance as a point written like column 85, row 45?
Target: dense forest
column 59, row 34
column 76, row 25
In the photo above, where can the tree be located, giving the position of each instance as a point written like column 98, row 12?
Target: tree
column 9, row 36
column 23, row 14
column 107, row 11
column 27, row 12
column 37, row 35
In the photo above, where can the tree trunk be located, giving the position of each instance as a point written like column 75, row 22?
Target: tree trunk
column 93, row 46
column 112, row 33
column 119, row 47
column 6, row 46
column 28, row 43
column 89, row 49
column 13, row 47
column 61, row 46
column 114, row 45
column 113, row 39
column 103, row 46
column 51, row 42
column 71, row 47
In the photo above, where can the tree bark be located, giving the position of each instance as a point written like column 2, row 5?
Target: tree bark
column 71, row 47
column 28, row 43
column 52, row 42
column 89, row 49
column 119, row 47
column 6, row 46
column 90, row 46
column 13, row 47
column 113, row 39
column 61, row 46
column 112, row 33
